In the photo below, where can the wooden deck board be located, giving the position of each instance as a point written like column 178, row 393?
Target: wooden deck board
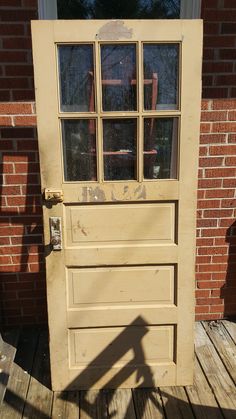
column 224, row 345
column 8, row 345
column 17, row 388
column 213, row 394
column 217, row 375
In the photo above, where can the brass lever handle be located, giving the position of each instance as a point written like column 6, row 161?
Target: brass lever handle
column 53, row 195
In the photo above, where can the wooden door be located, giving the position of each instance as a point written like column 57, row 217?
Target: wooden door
column 118, row 106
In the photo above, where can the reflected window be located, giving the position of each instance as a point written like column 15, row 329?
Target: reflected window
column 122, row 9
column 160, row 148
column 160, row 67
column 79, row 149
column 76, row 76
column 119, row 149
column 118, row 68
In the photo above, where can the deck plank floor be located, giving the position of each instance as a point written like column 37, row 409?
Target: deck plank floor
column 213, row 394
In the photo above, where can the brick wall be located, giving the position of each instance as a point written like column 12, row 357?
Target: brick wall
column 16, row 69
column 22, row 268
column 216, row 225
column 219, row 66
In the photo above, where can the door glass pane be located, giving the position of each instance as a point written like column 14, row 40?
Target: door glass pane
column 79, row 149
column 76, row 75
column 160, row 76
column 119, row 89
column 160, row 148
column 119, row 149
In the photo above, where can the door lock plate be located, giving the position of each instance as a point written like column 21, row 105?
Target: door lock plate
column 53, row 195
column 55, row 233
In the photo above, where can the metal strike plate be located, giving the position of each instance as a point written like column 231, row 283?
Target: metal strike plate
column 53, row 195
column 55, row 233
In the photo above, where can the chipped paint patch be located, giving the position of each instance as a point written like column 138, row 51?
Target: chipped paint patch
column 114, row 30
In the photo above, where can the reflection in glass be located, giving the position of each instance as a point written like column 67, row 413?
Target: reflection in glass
column 161, row 76
column 76, row 75
column 119, row 149
column 79, row 149
column 118, row 77
column 160, row 148
column 122, row 9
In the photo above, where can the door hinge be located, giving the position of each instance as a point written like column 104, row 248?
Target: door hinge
column 53, row 195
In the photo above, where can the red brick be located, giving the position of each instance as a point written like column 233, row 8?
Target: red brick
column 6, row 168
column 219, row 41
column 213, row 203
column 210, row 162
column 23, row 95
column 214, row 116
column 213, row 232
column 214, row 92
column 224, row 127
column 225, row 80
column 30, row 4
column 229, row 183
column 211, row 28
column 10, row 3
column 208, row 54
column 206, row 105
column 17, row 15
column 11, row 29
column 13, row 56
column 229, row 4
column 4, row 241
column 203, row 259
column 202, row 293
column 204, row 127
column 5, row 260
column 232, row 116
column 21, row 179
column 228, row 203
column 17, row 43
column 224, row 104
column 203, row 151
column 213, row 250
column 226, row 222
column 15, row 108
column 210, row 284
column 11, row 190
column 202, row 309
column 206, row 223
column 25, row 120
column 220, row 15
column 218, row 213
column 19, row 70
column 227, row 54
column 18, row 133
column 204, row 242
column 228, row 28
column 5, row 121
column 4, row 95
column 220, row 173
column 213, row 268
column 16, row 82
column 207, row 80
column 206, row 316
column 217, row 308
column 219, row 193
column 212, row 138
column 230, row 161
column 217, row 67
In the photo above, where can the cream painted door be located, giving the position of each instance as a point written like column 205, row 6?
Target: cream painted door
column 118, row 106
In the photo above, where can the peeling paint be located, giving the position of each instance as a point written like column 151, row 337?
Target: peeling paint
column 114, row 30
column 82, row 229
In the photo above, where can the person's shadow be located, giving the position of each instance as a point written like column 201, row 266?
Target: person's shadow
column 228, row 290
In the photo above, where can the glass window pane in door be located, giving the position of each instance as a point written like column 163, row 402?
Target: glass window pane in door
column 76, row 76
column 118, row 70
column 160, row 148
column 119, row 149
column 160, row 66
column 79, row 149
